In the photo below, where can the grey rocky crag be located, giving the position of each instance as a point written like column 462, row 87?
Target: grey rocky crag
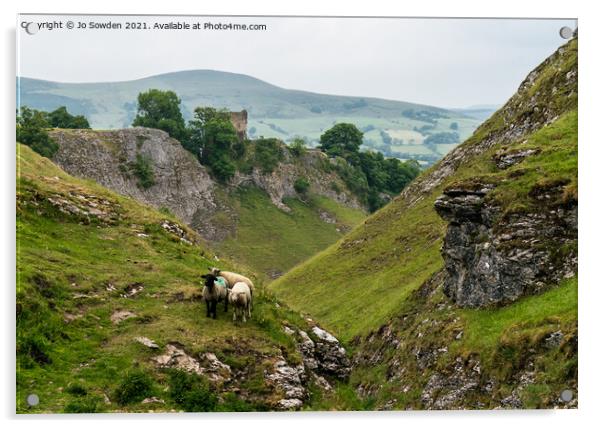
column 492, row 258
column 181, row 183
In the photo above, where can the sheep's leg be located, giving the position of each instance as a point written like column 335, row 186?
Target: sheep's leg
column 214, row 309
column 208, row 309
column 249, row 311
column 234, row 314
column 244, row 319
column 226, row 303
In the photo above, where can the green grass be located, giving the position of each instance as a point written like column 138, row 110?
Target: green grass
column 272, row 240
column 484, row 328
column 71, row 275
column 372, row 270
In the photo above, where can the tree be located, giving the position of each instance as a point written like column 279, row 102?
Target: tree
column 161, row 110
column 61, row 118
column 32, row 128
column 298, row 147
column 214, row 140
column 344, row 140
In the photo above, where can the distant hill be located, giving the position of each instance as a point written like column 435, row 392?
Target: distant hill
column 395, row 128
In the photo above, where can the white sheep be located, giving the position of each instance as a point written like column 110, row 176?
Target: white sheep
column 240, row 298
column 232, row 278
column 213, row 292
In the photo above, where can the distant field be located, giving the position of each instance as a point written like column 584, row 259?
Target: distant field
column 272, row 111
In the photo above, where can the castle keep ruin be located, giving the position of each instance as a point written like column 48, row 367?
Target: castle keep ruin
column 239, row 121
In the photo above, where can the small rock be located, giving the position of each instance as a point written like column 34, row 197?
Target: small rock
column 119, row 316
column 151, row 400
column 146, row 342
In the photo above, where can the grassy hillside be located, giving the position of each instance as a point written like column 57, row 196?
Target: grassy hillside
column 273, row 111
column 86, row 255
column 372, row 271
column 273, row 241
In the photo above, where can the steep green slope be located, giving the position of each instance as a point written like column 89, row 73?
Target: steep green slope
column 273, row 111
column 371, row 271
column 415, row 341
column 95, row 271
column 272, row 241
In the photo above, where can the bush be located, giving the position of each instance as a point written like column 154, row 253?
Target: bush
column 143, row 169
column 31, row 131
column 223, row 169
column 136, row 386
column 83, row 405
column 298, row 147
column 268, row 153
column 76, row 389
column 191, row 392
column 301, row 186
column 61, row 118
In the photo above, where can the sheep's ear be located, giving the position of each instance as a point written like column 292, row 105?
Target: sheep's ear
column 204, row 276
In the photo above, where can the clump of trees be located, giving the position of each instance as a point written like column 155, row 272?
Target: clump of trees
column 368, row 174
column 32, row 127
column 211, row 137
column 161, row 110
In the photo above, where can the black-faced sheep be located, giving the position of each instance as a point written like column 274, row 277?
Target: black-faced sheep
column 214, row 292
column 240, row 297
column 232, row 278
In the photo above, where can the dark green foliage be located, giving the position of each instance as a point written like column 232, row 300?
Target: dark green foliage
column 366, row 174
column 301, row 185
column 83, row 405
column 76, row 389
column 442, row 138
column 268, row 153
column 136, row 386
column 191, row 392
column 342, row 140
column 143, row 169
column 61, row 118
column 214, row 140
column 298, row 147
column 231, row 403
column 31, row 131
column 161, row 110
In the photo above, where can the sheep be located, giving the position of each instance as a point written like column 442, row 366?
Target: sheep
column 214, row 292
column 232, row 278
column 240, row 297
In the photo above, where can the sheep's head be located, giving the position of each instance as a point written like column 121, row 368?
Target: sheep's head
column 215, row 271
column 209, row 280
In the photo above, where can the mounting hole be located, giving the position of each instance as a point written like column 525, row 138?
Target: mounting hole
column 566, row 32
column 33, row 399
column 566, row 395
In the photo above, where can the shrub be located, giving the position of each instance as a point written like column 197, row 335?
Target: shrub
column 76, row 389
column 31, row 131
column 301, row 186
column 268, row 153
column 136, row 386
column 191, row 392
column 83, row 405
column 143, row 169
column 298, row 147
column 223, row 169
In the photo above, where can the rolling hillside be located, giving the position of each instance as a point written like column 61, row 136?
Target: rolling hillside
column 396, row 128
column 430, row 289
column 110, row 317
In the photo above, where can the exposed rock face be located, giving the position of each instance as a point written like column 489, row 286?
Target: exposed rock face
column 492, row 258
column 289, row 380
column 527, row 110
column 181, row 184
column 206, row 364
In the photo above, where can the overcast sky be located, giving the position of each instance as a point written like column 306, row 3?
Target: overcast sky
column 441, row 62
